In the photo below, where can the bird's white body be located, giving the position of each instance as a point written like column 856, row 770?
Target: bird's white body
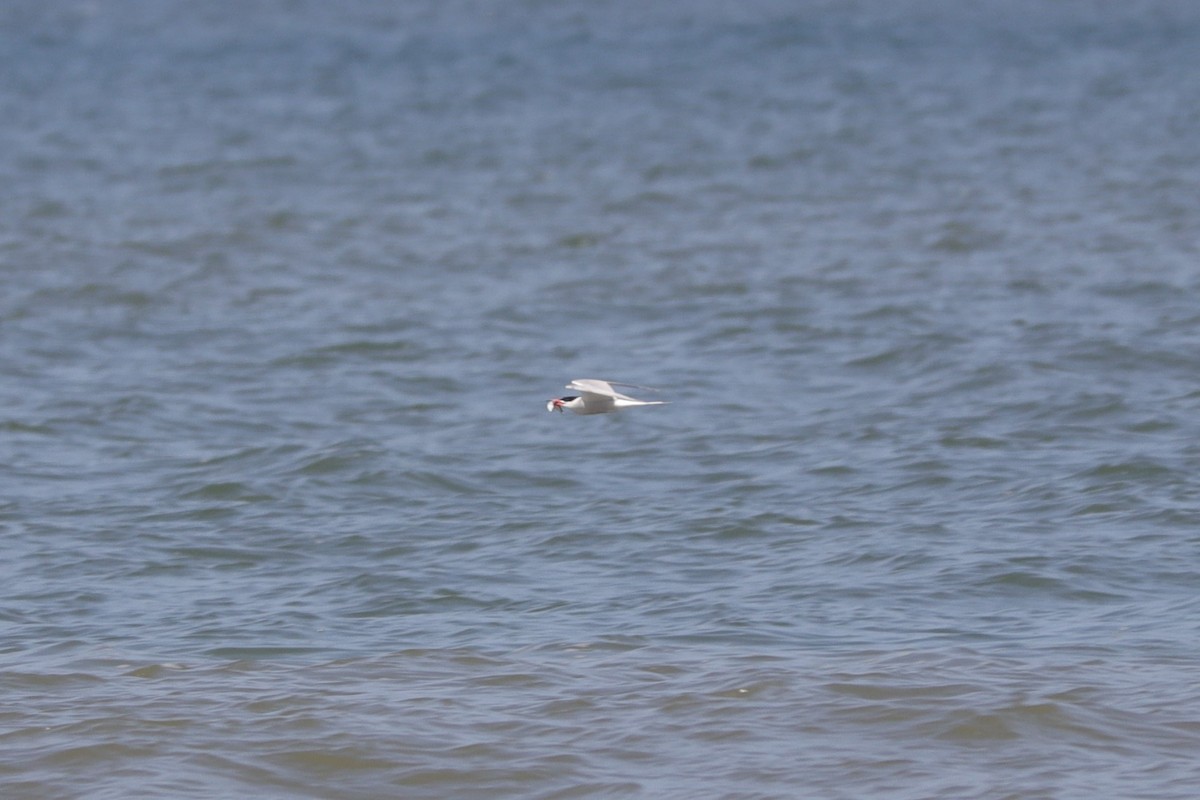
column 597, row 397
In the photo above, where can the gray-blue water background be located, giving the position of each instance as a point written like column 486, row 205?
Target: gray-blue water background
column 286, row 286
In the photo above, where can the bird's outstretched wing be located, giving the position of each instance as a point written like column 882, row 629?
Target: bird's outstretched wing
column 604, row 388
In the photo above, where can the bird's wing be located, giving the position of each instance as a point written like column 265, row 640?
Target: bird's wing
column 593, row 386
column 603, row 388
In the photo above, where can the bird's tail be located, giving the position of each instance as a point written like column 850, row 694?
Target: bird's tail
column 621, row 402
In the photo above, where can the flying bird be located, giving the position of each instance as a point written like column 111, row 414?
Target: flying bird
column 598, row 397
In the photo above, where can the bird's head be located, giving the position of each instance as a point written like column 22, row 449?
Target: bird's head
column 560, row 404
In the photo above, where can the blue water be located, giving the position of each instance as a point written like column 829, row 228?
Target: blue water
column 286, row 288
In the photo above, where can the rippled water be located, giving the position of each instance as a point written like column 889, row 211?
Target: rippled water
column 286, row 288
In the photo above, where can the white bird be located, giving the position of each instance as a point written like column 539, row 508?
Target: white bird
column 598, row 397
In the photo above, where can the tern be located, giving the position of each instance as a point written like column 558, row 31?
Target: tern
column 598, row 397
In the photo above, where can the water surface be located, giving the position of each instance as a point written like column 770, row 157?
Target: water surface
column 286, row 288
